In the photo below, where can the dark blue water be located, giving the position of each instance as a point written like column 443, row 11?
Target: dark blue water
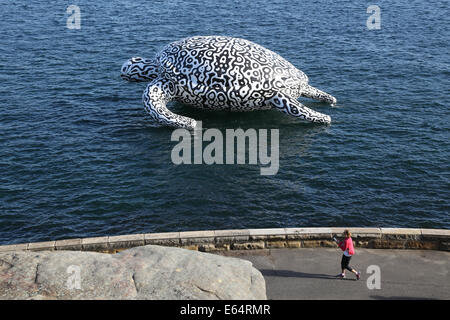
column 79, row 157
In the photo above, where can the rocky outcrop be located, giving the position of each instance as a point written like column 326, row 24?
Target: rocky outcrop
column 146, row 272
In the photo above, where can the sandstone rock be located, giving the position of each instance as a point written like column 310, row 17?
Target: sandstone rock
column 147, row 272
column 248, row 245
column 276, row 244
column 294, row 244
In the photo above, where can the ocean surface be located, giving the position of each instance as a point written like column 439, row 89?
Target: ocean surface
column 79, row 156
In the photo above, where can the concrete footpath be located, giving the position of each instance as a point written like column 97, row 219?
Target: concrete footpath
column 309, row 273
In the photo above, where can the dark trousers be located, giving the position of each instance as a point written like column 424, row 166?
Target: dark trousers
column 345, row 263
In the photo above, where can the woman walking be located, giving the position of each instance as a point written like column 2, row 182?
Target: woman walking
column 347, row 246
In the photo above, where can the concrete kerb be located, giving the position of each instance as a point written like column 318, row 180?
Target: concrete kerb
column 231, row 236
column 401, row 234
column 439, row 237
column 125, row 241
column 95, row 244
column 309, row 233
column 188, row 238
column 69, row 244
column 230, row 240
column 435, row 234
column 171, row 239
column 14, row 247
column 359, row 233
column 215, row 240
column 267, row 234
column 41, row 246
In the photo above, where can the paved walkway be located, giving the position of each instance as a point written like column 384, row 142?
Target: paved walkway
column 310, row 273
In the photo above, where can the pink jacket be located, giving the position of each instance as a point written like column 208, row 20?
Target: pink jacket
column 347, row 244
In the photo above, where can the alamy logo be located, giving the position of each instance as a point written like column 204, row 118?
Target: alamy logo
column 374, row 20
column 235, row 144
column 74, row 279
column 374, row 280
column 74, row 20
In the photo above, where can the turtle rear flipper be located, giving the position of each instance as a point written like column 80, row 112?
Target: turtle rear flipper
column 314, row 93
column 293, row 107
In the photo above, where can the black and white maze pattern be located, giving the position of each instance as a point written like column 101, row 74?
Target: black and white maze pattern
column 222, row 73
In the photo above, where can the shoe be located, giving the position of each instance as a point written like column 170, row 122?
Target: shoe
column 341, row 275
column 358, row 275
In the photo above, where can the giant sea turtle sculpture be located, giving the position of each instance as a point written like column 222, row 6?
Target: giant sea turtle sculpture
column 222, row 73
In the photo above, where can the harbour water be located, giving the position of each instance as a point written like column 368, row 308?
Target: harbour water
column 79, row 157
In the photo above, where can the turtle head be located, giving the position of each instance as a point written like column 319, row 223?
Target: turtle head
column 139, row 69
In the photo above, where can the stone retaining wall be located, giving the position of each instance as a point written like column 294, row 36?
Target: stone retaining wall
column 218, row 240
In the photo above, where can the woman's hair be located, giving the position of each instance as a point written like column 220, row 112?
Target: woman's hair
column 347, row 233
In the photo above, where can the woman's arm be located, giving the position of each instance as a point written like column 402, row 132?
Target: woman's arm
column 343, row 244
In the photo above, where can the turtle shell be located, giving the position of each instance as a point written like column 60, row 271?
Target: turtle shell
column 236, row 68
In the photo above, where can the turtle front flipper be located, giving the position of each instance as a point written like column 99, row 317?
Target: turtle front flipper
column 294, row 108
column 155, row 98
column 314, row 93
